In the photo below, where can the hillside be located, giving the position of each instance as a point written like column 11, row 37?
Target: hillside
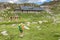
column 4, row 5
column 42, row 25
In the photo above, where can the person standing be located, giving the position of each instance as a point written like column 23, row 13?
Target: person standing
column 21, row 29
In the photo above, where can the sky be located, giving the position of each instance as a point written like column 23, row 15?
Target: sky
column 26, row 1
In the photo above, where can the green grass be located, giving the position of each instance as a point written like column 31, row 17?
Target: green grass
column 49, row 30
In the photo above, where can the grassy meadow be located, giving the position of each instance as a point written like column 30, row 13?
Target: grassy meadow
column 49, row 29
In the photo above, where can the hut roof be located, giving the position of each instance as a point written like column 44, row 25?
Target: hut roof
column 31, row 8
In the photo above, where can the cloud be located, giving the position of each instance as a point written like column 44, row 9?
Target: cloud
column 41, row 0
column 34, row 1
column 24, row 1
column 17, row 1
column 12, row 1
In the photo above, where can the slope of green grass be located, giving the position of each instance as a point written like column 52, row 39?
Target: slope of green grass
column 48, row 31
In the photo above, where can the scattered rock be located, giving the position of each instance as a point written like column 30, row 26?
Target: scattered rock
column 40, row 22
column 58, row 39
column 13, row 24
column 57, row 20
column 28, row 23
column 45, row 21
column 38, row 27
column 4, row 33
column 9, row 21
column 26, row 27
column 21, row 36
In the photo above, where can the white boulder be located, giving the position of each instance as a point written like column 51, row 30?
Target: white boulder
column 28, row 23
column 4, row 33
column 26, row 27
column 40, row 22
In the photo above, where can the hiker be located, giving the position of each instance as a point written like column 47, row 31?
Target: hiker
column 21, row 29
